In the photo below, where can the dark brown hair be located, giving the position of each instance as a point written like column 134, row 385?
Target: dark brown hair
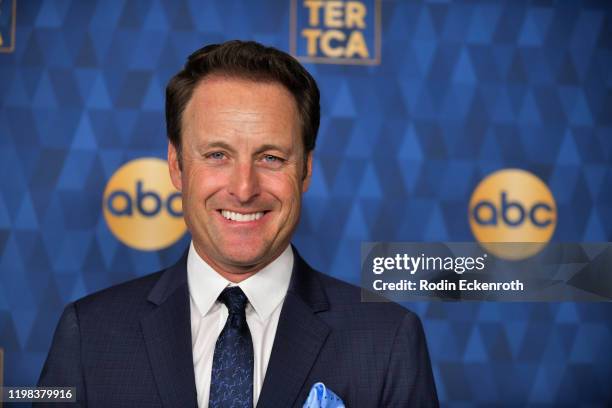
column 248, row 60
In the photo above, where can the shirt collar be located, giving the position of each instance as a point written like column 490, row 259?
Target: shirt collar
column 265, row 289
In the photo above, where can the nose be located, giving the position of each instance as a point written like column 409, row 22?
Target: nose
column 244, row 183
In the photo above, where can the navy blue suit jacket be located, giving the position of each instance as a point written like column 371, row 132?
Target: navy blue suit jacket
column 130, row 346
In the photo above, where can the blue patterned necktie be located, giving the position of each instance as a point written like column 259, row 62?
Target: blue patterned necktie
column 231, row 383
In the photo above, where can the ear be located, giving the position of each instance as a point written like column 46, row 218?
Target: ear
column 174, row 167
column 308, row 175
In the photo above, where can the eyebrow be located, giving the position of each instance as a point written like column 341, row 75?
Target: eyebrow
column 266, row 147
column 261, row 149
column 220, row 144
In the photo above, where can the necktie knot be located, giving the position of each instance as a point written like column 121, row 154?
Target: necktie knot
column 235, row 300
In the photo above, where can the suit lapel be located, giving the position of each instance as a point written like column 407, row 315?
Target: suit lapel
column 167, row 334
column 299, row 337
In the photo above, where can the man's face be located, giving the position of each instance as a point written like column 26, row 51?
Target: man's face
column 242, row 174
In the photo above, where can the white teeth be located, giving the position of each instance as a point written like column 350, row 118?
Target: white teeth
column 234, row 216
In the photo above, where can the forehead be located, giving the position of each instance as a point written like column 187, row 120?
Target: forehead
column 219, row 95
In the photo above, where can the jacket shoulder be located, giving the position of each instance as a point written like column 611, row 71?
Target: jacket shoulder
column 345, row 298
column 124, row 299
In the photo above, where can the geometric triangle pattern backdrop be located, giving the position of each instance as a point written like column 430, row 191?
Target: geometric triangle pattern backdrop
column 462, row 89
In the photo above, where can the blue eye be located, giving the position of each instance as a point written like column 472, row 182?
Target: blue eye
column 272, row 162
column 271, row 159
column 216, row 155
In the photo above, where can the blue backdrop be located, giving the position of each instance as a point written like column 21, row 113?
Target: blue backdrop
column 462, row 89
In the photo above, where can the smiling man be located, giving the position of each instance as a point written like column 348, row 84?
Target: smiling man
column 240, row 320
column 242, row 170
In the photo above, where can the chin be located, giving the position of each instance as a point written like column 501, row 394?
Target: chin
column 241, row 256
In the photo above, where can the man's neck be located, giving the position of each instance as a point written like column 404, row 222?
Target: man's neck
column 234, row 273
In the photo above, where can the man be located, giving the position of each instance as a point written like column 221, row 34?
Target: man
column 241, row 320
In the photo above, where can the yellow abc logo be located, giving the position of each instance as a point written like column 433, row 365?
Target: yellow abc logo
column 141, row 206
column 512, row 206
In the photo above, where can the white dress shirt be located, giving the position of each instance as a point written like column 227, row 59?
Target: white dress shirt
column 266, row 292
